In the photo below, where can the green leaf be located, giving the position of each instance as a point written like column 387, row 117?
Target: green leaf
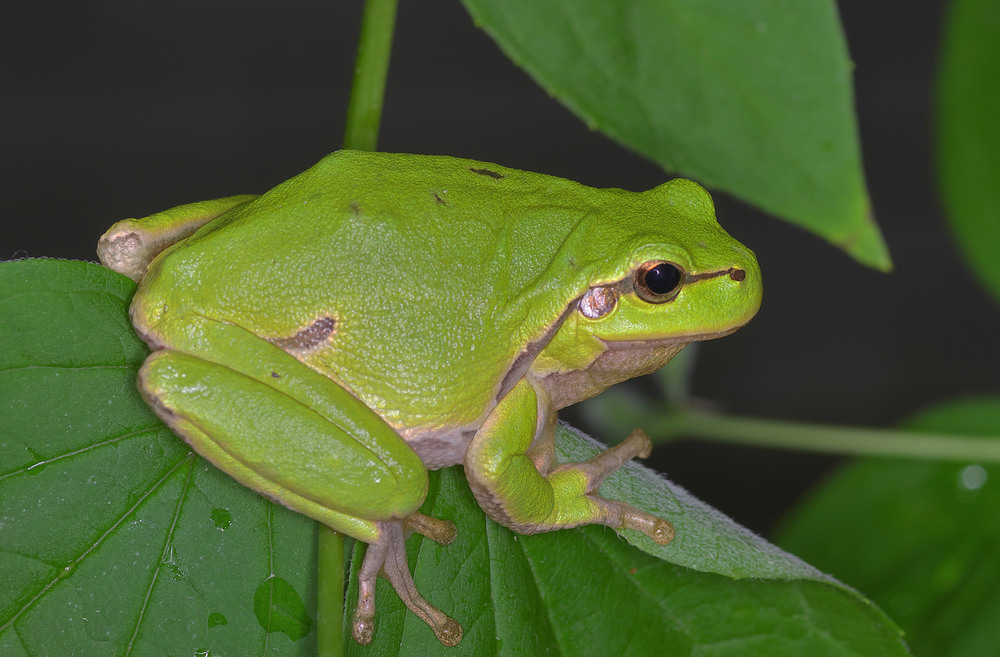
column 751, row 97
column 586, row 592
column 968, row 134
column 114, row 538
column 118, row 540
column 920, row 538
column 279, row 608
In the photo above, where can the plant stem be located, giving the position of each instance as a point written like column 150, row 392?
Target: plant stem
column 330, row 593
column 675, row 378
column 856, row 441
column 364, row 113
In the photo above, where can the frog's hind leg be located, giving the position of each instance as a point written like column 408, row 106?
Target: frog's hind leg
column 387, row 557
column 298, row 438
column 510, row 470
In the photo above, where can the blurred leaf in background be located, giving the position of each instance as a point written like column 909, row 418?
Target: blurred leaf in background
column 968, row 134
column 919, row 537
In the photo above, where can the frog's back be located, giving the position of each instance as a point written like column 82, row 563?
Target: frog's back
column 413, row 280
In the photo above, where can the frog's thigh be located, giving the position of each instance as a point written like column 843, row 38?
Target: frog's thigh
column 279, row 446
column 508, row 468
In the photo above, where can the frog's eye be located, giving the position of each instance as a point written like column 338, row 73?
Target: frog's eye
column 658, row 281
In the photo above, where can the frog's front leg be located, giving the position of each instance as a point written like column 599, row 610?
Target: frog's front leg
column 509, row 468
column 297, row 437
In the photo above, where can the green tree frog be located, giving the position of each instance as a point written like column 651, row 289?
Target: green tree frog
column 380, row 315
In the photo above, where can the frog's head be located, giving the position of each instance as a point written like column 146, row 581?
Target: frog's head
column 660, row 273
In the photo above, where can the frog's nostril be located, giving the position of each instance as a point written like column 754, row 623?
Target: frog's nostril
column 737, row 274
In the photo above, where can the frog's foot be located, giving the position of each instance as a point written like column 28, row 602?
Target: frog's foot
column 387, row 556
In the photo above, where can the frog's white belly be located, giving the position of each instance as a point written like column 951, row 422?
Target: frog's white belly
column 440, row 449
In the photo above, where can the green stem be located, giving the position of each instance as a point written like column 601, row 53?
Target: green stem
column 364, row 113
column 855, row 441
column 676, row 377
column 330, row 593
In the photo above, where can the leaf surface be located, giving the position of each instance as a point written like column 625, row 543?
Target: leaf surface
column 753, row 98
column 968, row 134
column 114, row 538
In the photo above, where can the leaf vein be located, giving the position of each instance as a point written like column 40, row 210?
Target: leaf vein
column 82, row 450
column 75, row 562
column 166, row 544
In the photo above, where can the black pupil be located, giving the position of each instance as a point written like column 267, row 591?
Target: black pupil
column 663, row 278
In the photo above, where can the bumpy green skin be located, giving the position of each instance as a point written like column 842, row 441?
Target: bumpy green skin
column 382, row 314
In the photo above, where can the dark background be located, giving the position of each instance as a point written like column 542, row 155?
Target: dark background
column 111, row 109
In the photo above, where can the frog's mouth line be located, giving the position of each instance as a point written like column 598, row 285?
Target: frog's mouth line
column 673, row 340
